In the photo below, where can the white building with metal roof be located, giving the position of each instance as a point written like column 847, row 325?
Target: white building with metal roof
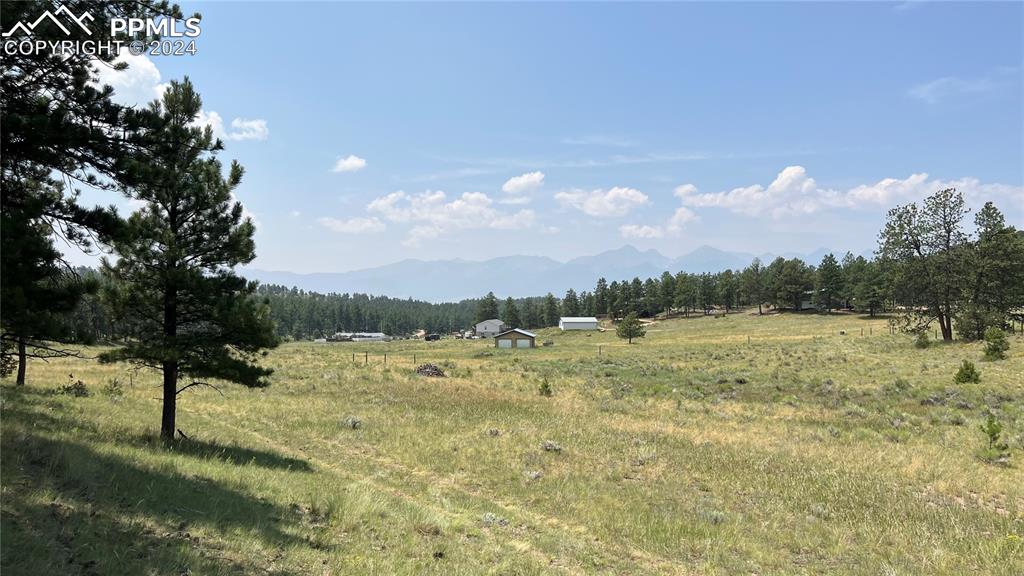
column 577, row 323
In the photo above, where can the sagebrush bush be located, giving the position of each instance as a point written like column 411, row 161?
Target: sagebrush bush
column 967, row 374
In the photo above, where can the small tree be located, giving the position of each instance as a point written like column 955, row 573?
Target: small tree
column 996, row 344
column 189, row 314
column 967, row 374
column 997, row 450
column 630, row 328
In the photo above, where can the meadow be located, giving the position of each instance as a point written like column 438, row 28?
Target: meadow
column 777, row 444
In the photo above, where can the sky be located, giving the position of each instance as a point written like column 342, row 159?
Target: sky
column 372, row 133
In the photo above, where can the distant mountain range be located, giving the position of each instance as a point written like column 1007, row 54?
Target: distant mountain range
column 516, row 276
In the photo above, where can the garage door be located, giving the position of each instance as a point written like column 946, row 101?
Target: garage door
column 522, row 343
column 504, row 343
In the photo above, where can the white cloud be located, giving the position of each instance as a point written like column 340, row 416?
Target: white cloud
column 673, row 227
column 941, row 88
column 681, row 218
column 434, row 215
column 245, row 129
column 242, row 129
column 525, row 183
column 358, row 225
column 295, row 213
column 641, row 231
column 351, row 163
column 794, row 192
column 603, row 204
column 515, row 200
column 139, row 84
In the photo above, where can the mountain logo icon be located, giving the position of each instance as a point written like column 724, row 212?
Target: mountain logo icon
column 26, row 29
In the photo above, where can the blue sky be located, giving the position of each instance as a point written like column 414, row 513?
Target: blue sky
column 373, row 133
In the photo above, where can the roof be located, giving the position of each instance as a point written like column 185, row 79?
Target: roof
column 486, row 321
column 519, row 330
column 577, row 319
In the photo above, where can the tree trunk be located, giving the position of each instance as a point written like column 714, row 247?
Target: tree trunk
column 22, row 361
column 170, row 366
column 946, row 324
column 759, row 309
column 167, row 425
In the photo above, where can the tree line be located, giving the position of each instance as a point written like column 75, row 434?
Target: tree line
column 928, row 268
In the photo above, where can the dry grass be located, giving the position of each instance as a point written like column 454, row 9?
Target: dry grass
column 691, row 452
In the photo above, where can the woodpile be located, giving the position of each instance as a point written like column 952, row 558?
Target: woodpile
column 430, row 370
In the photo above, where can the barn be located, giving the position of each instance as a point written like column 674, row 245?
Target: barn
column 489, row 328
column 515, row 338
column 577, row 323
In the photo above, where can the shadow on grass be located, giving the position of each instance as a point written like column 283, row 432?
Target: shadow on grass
column 22, row 405
column 68, row 508
column 228, row 453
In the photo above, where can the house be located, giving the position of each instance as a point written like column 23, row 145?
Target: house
column 491, row 327
column 577, row 323
column 515, row 338
column 807, row 301
column 370, row 337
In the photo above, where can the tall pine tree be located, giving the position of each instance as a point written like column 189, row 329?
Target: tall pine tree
column 191, row 316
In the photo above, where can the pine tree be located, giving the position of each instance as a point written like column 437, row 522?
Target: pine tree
column 550, row 312
column 191, row 316
column 60, row 132
column 829, row 285
column 571, row 303
column 510, row 315
column 995, row 276
column 752, row 283
column 601, row 297
column 487, row 309
column 630, row 327
column 924, row 247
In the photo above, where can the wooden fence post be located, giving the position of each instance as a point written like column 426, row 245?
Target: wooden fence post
column 366, row 358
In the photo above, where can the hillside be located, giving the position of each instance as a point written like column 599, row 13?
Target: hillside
column 737, row 445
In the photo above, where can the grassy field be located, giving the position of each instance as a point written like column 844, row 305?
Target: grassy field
column 694, row 451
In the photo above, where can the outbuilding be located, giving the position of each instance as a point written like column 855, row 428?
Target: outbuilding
column 577, row 323
column 489, row 328
column 515, row 338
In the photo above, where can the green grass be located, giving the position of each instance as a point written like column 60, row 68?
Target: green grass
column 691, row 452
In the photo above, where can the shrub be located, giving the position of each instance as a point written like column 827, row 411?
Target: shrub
column 74, row 388
column 967, row 374
column 545, row 388
column 922, row 341
column 996, row 344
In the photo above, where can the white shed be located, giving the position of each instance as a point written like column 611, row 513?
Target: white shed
column 577, row 323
